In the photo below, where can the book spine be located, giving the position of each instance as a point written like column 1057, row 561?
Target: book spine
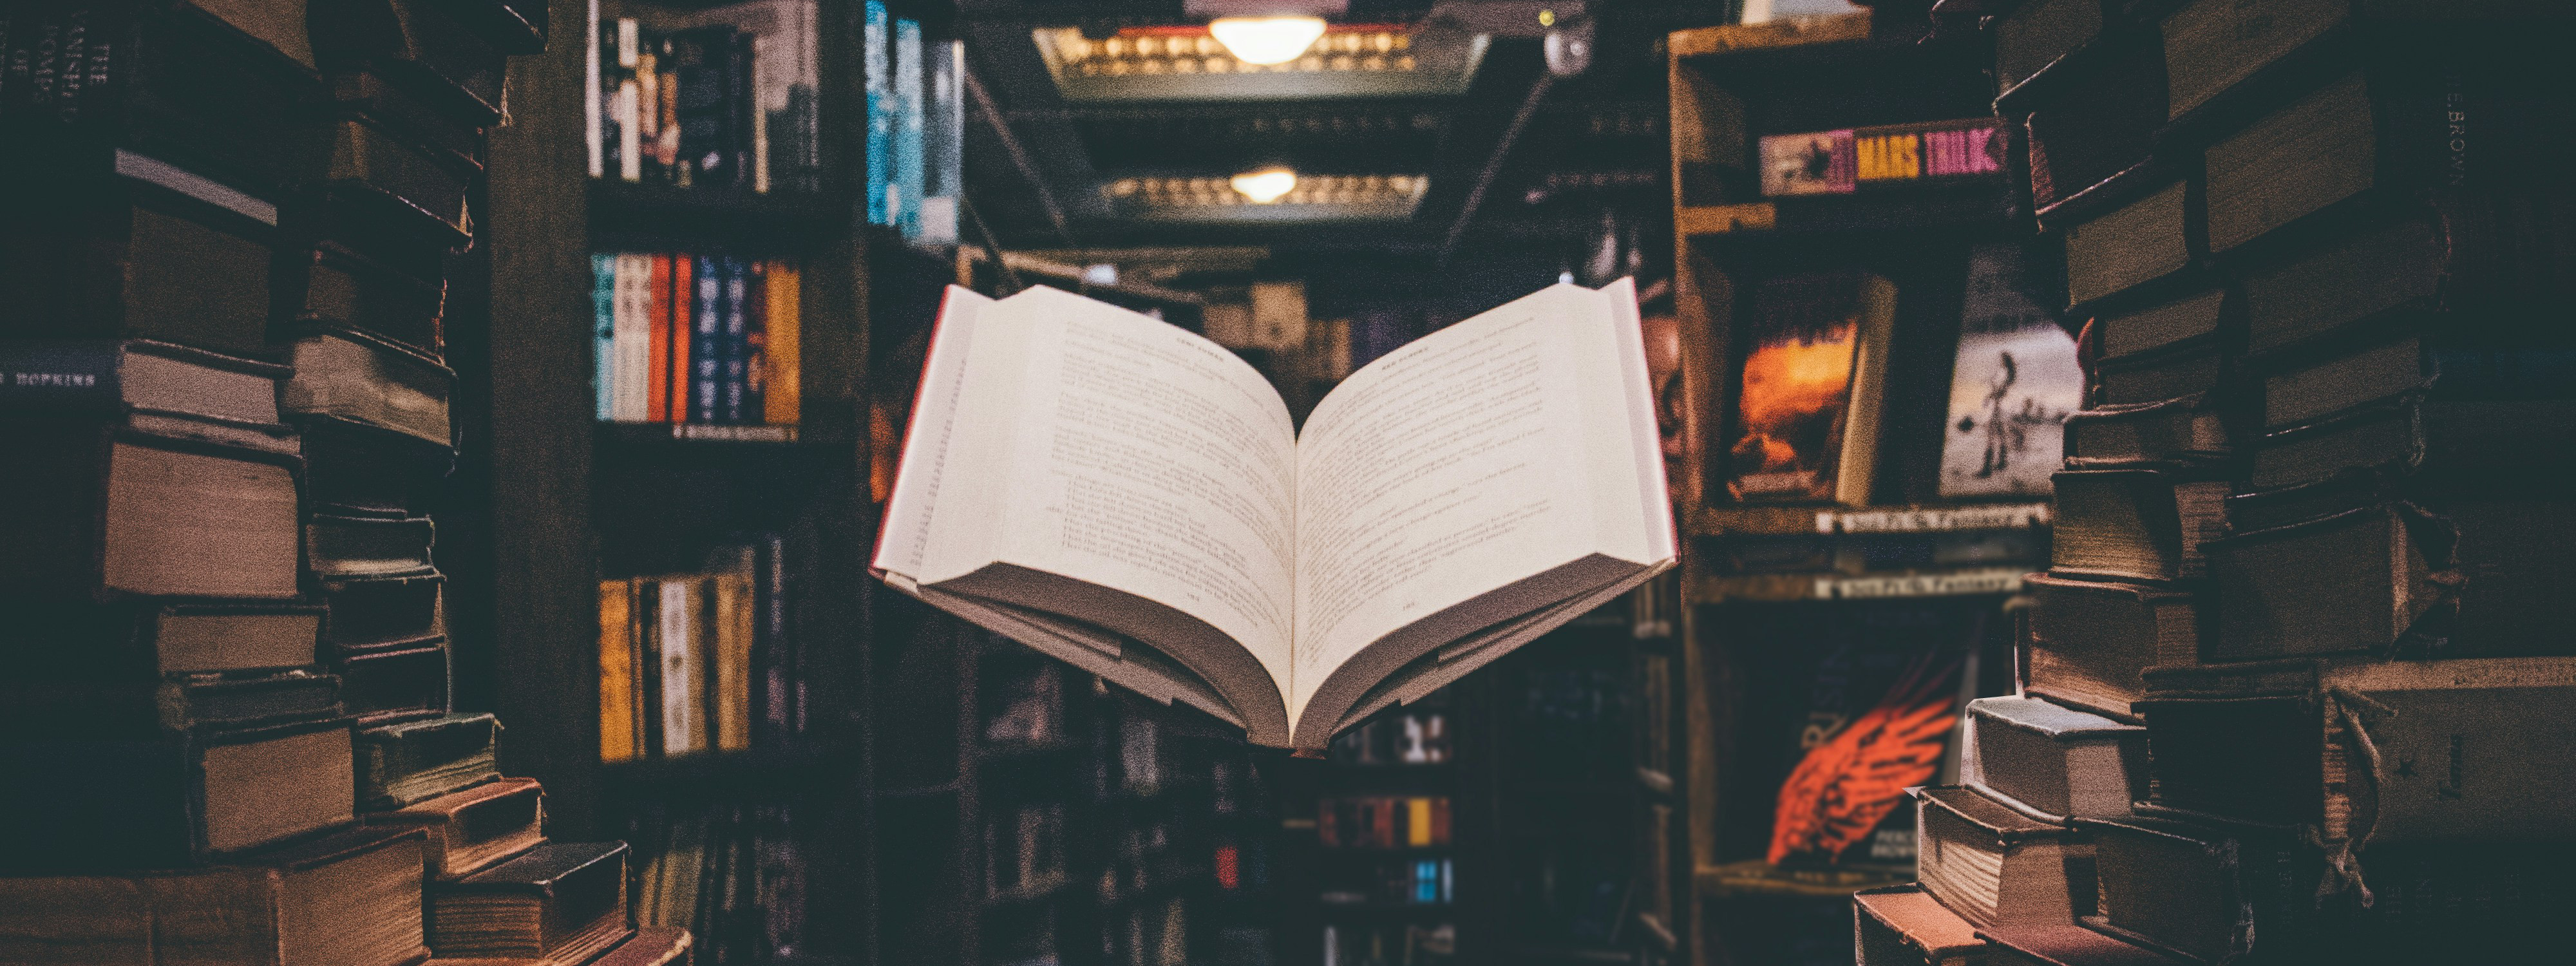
column 781, row 397
column 630, row 152
column 905, row 203
column 741, row 102
column 678, row 332
column 764, row 54
column 880, row 107
column 683, row 668
column 617, row 738
column 737, row 340
column 603, row 308
column 657, row 315
column 649, row 116
column 590, row 107
column 706, row 354
column 755, row 313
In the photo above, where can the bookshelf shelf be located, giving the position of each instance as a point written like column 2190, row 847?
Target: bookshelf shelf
column 1756, row 878
column 737, row 220
column 785, row 769
column 1781, row 588
column 719, row 436
column 1981, row 201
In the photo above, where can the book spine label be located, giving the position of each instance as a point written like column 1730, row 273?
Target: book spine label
column 54, row 378
column 706, row 356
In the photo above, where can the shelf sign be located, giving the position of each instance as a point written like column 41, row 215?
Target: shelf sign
column 1986, row 580
column 1844, row 161
column 2010, row 516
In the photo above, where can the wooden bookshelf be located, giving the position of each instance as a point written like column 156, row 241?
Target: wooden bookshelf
column 551, row 501
column 1731, row 673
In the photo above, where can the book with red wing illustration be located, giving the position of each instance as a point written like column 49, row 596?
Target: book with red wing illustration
column 1869, row 704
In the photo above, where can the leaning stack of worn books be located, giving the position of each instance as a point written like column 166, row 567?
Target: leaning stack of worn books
column 226, row 714
column 2297, row 685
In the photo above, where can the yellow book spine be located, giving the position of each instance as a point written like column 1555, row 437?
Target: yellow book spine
column 1417, row 822
column 783, row 400
column 733, row 662
column 616, row 673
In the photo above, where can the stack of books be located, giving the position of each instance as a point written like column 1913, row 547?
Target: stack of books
column 2286, row 686
column 222, row 393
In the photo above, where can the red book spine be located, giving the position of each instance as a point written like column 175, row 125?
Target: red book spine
column 1328, row 832
column 1384, row 825
column 657, row 309
column 673, row 327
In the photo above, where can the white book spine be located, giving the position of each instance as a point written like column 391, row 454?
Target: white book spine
column 681, row 703
column 590, row 96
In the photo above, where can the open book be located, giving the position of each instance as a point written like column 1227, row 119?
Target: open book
column 1134, row 499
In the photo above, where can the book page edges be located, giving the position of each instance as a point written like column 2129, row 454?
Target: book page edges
column 1646, row 438
column 900, row 540
column 1082, row 646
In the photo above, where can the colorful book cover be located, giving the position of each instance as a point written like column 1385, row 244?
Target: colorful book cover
column 905, row 201
column 1867, row 710
column 603, row 310
column 1794, row 390
column 2015, row 381
column 877, row 56
column 1820, row 163
column 706, row 354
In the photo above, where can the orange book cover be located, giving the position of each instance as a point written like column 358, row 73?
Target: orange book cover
column 671, row 384
column 657, row 306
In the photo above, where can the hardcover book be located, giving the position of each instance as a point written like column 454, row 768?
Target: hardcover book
column 2371, row 751
column 143, row 708
column 154, row 387
column 561, row 902
column 403, row 764
column 2184, row 429
column 1135, row 499
column 2136, row 523
column 150, row 639
column 176, row 798
column 2051, row 762
column 2015, row 382
column 1993, row 865
column 363, row 379
column 393, row 682
column 2213, row 892
column 2090, row 641
column 475, row 828
column 350, row 899
column 1808, row 387
column 2355, row 581
column 1904, row 926
column 105, row 508
column 162, row 252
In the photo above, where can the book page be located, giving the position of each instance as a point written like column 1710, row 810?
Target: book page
column 1472, row 459
column 1147, row 460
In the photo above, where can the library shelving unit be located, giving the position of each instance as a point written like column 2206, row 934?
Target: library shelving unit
column 1792, row 613
column 551, row 501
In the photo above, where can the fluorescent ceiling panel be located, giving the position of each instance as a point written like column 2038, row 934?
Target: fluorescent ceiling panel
column 1317, row 197
column 1186, row 64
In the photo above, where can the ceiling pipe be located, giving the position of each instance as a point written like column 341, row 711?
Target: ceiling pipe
column 1493, row 166
column 1019, row 155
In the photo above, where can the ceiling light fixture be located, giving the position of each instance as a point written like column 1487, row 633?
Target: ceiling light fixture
column 1266, row 40
column 1265, row 186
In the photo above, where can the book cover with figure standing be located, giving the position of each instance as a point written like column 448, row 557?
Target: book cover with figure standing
column 2015, row 381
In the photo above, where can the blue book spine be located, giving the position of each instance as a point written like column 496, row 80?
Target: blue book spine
column 737, row 341
column 881, row 107
column 755, row 353
column 906, row 196
column 706, row 344
column 603, row 311
column 1426, row 881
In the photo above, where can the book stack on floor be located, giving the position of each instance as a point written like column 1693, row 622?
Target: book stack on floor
column 2288, row 684
column 224, row 409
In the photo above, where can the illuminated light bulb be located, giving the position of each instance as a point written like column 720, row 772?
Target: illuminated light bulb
column 1266, row 186
column 1266, row 40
